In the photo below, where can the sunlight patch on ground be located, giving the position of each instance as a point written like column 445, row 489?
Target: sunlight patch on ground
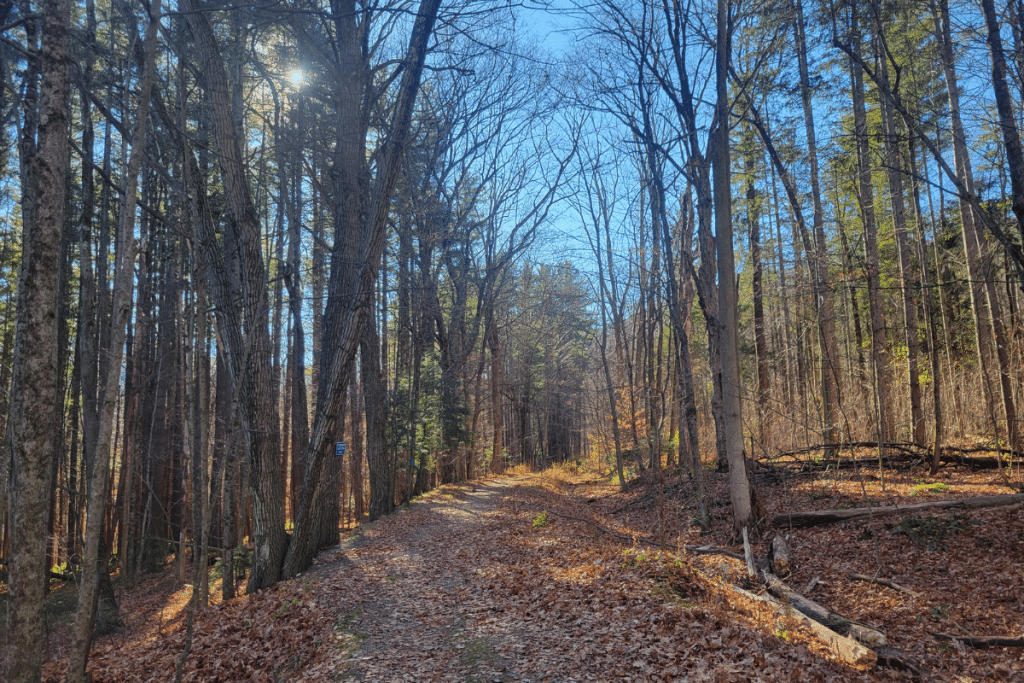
column 582, row 574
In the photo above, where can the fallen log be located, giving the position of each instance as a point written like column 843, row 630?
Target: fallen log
column 898, row 659
column 844, row 649
column 884, row 582
column 908, row 448
column 982, row 641
column 862, row 633
column 950, row 455
column 974, row 462
column 904, row 447
column 845, row 626
column 822, row 517
column 892, row 462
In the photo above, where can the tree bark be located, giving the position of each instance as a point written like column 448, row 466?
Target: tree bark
column 1007, row 121
column 94, row 561
column 302, row 548
column 863, row 634
column 249, row 361
column 879, row 350
column 894, row 172
column 831, row 382
column 740, row 487
column 976, row 267
column 845, row 649
column 929, row 311
column 823, row 517
column 382, row 468
column 757, row 287
column 33, row 409
column 819, row 276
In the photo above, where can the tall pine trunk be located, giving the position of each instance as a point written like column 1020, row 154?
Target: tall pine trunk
column 831, row 383
column 248, row 360
column 741, row 491
column 34, row 403
column 982, row 306
column 894, row 173
column 879, row 350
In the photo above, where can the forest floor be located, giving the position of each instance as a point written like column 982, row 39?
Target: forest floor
column 526, row 577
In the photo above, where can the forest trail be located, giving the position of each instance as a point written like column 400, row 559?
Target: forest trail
column 410, row 586
column 517, row 579
column 482, row 584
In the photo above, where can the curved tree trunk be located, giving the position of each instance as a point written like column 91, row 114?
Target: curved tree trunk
column 302, row 549
column 94, row 561
column 249, row 360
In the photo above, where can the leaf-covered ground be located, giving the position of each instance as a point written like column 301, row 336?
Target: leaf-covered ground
column 503, row 580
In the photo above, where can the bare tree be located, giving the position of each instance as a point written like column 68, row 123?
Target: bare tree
column 597, row 213
column 1007, row 122
column 894, row 173
column 95, row 561
column 831, row 382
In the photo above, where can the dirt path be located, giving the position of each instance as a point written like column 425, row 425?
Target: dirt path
column 510, row 580
column 464, row 586
column 513, row 580
column 411, row 584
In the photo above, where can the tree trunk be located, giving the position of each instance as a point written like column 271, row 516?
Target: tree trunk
column 858, row 333
column 357, row 408
column 819, row 275
column 934, row 342
column 879, row 350
column 1015, row 164
column 302, row 550
column 34, row 403
column 497, row 414
column 382, row 467
column 831, row 382
column 683, row 303
column 250, row 361
column 976, row 267
column 224, row 463
column 1007, row 122
column 299, row 402
column 740, row 487
column 785, row 296
column 95, row 559
column 757, row 287
column 894, row 172
column 824, row 517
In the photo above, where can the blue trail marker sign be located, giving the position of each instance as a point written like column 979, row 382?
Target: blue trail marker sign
column 339, row 448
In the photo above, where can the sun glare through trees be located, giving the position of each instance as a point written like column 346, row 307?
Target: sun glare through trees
column 271, row 272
